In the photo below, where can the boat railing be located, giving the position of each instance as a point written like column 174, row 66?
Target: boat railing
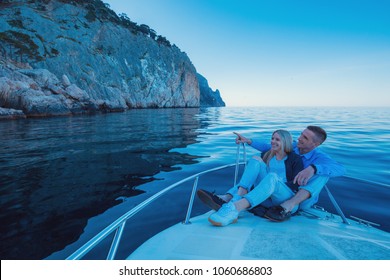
column 195, row 186
column 336, row 205
column 119, row 225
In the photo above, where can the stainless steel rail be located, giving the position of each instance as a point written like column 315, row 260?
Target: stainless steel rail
column 237, row 164
column 336, row 205
column 368, row 181
column 120, row 223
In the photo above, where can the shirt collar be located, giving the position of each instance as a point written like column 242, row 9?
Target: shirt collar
column 307, row 155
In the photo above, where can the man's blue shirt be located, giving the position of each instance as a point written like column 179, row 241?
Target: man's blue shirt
column 324, row 164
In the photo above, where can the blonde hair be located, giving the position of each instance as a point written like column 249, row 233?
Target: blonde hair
column 286, row 143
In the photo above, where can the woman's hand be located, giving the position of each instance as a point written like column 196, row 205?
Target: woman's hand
column 242, row 139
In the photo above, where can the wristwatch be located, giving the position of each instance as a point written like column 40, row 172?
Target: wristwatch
column 314, row 167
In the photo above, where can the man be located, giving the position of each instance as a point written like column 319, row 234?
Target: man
column 318, row 168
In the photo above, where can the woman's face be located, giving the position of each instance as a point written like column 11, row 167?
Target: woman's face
column 276, row 142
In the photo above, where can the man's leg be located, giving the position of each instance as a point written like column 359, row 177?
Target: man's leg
column 314, row 187
column 307, row 195
column 300, row 196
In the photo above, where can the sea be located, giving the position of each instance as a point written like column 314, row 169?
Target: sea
column 64, row 179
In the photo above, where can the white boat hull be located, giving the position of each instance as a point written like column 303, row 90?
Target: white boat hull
column 313, row 235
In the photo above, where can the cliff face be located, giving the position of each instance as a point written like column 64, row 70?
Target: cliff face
column 80, row 56
column 208, row 97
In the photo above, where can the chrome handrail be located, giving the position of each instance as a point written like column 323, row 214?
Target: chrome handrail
column 119, row 224
column 238, row 160
column 191, row 203
column 367, row 181
column 195, row 186
column 365, row 222
column 336, row 205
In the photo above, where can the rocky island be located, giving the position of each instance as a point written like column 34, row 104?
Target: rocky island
column 62, row 57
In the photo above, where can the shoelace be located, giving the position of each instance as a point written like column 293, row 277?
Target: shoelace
column 225, row 209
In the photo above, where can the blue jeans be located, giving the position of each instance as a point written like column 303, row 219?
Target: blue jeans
column 270, row 190
column 254, row 172
column 314, row 187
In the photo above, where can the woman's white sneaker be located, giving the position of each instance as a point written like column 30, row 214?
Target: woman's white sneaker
column 226, row 215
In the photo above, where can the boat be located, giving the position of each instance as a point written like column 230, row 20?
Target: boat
column 312, row 234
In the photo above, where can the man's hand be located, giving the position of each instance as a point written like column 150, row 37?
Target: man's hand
column 304, row 176
column 242, row 139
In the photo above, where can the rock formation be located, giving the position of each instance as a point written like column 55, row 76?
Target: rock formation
column 208, row 97
column 62, row 57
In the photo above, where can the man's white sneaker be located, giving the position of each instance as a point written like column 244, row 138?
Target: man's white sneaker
column 226, row 215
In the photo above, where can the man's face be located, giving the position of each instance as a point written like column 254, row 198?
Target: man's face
column 306, row 141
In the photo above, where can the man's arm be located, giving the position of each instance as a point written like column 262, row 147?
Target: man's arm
column 326, row 166
column 304, row 176
column 261, row 146
column 322, row 165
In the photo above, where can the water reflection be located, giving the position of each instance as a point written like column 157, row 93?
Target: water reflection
column 57, row 173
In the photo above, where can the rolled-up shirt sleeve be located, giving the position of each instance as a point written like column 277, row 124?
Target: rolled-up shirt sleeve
column 261, row 146
column 326, row 166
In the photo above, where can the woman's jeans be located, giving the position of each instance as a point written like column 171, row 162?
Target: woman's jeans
column 270, row 190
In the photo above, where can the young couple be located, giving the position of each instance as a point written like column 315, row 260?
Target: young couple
column 287, row 177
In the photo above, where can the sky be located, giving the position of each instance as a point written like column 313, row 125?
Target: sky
column 279, row 52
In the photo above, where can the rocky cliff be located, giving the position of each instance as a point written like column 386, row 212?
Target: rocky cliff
column 208, row 97
column 62, row 57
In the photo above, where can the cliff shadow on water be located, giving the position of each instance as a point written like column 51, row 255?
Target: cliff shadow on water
column 57, row 173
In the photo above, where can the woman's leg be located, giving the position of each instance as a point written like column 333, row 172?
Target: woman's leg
column 270, row 187
column 254, row 172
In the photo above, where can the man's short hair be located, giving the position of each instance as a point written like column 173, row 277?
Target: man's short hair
column 319, row 133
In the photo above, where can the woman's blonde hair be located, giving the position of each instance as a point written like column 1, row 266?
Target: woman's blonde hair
column 286, row 143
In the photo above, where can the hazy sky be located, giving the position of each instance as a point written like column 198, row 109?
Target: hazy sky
column 279, row 52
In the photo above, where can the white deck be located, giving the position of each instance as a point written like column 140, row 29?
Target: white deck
column 303, row 237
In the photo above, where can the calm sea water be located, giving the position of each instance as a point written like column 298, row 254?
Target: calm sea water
column 64, row 179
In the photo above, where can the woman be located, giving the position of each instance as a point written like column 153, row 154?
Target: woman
column 271, row 175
